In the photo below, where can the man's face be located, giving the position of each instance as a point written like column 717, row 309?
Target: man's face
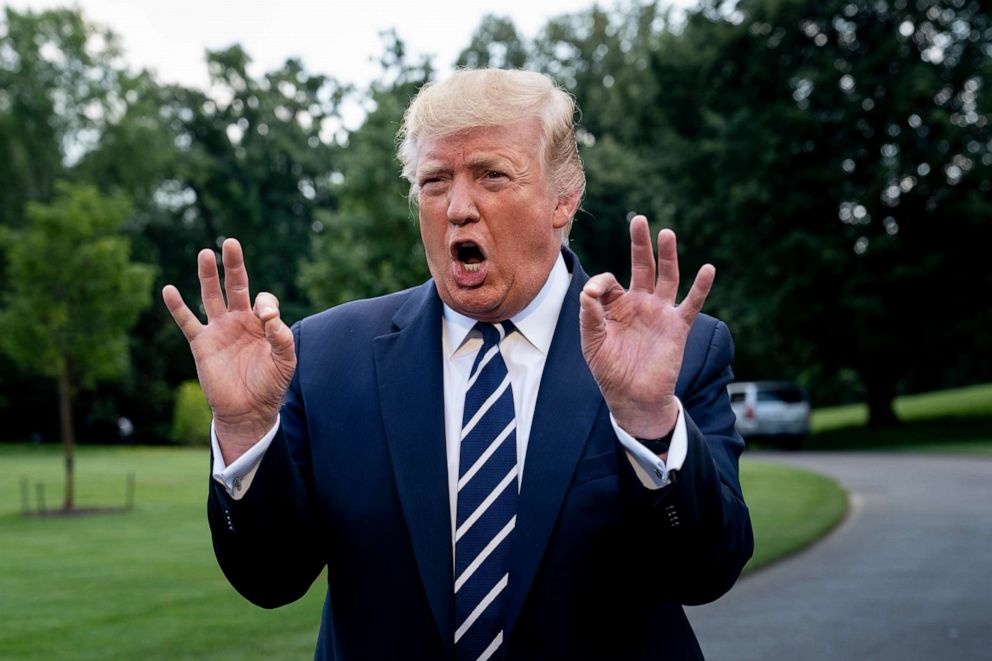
column 489, row 218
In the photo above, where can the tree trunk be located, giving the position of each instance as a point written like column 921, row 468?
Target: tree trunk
column 881, row 390
column 68, row 438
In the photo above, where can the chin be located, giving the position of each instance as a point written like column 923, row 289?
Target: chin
column 478, row 310
column 475, row 303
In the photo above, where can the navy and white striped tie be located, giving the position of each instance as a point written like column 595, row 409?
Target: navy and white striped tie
column 487, row 501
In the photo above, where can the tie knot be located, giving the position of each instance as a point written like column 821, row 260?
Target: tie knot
column 494, row 333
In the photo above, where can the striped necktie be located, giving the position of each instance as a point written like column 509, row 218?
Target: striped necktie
column 487, row 501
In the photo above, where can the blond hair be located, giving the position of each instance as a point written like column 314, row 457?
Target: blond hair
column 496, row 97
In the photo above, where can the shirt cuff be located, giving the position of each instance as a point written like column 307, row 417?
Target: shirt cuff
column 651, row 470
column 237, row 477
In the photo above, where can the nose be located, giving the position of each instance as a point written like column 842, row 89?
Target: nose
column 461, row 203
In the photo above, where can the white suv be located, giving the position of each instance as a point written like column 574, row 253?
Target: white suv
column 776, row 410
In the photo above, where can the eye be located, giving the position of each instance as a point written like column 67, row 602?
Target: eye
column 495, row 174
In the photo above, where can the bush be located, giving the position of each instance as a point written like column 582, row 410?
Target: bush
column 191, row 418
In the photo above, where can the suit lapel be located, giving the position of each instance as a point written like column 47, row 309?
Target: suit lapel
column 567, row 405
column 411, row 387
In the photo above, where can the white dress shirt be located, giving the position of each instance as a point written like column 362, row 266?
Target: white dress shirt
column 524, row 353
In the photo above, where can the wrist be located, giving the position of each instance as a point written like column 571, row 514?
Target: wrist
column 237, row 436
column 653, row 425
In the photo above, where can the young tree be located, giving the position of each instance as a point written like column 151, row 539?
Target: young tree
column 72, row 294
column 71, row 109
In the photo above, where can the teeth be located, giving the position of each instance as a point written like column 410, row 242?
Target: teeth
column 472, row 268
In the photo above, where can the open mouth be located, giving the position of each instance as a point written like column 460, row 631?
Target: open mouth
column 470, row 255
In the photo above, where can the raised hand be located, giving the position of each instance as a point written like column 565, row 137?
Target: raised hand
column 245, row 357
column 634, row 339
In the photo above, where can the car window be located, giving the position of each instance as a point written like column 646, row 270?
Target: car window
column 736, row 397
column 787, row 395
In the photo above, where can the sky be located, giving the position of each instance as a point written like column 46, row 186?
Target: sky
column 335, row 37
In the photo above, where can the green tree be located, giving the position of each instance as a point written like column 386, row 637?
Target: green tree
column 255, row 161
column 72, row 294
column 60, row 85
column 834, row 159
column 68, row 102
column 370, row 244
column 602, row 57
column 831, row 158
column 494, row 44
column 252, row 158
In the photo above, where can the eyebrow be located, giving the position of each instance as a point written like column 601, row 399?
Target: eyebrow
column 430, row 169
column 478, row 162
column 488, row 161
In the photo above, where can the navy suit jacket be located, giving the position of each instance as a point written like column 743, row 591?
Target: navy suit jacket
column 356, row 480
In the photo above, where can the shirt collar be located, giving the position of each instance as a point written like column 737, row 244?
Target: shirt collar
column 536, row 322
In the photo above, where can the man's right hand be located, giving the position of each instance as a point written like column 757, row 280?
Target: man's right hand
column 245, row 357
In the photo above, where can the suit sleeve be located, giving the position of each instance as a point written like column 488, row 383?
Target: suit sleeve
column 267, row 543
column 699, row 521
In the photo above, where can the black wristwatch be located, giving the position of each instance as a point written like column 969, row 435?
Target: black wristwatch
column 657, row 445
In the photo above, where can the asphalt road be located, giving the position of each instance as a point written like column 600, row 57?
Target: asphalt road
column 908, row 574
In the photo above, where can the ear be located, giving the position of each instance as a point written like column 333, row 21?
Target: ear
column 567, row 205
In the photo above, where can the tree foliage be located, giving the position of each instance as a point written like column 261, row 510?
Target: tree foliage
column 60, row 84
column 255, row 160
column 72, row 295
column 495, row 44
column 64, row 88
column 370, row 243
column 72, row 291
column 836, row 164
column 831, row 158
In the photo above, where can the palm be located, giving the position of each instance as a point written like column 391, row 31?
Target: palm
column 236, row 366
column 633, row 340
column 244, row 357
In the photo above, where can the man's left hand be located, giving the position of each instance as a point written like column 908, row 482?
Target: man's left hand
column 634, row 339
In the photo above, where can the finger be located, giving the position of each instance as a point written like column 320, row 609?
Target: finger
column 667, row 287
column 213, row 300
column 642, row 268
column 235, row 276
column 701, row 286
column 604, row 287
column 184, row 318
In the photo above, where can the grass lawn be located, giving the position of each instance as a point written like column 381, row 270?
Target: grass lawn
column 790, row 508
column 145, row 585
column 137, row 585
column 960, row 403
column 956, row 421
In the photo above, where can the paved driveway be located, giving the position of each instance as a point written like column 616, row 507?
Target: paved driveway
column 908, row 575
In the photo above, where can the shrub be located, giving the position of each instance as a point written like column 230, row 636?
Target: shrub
column 191, row 417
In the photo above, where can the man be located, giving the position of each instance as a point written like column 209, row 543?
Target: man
column 510, row 460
